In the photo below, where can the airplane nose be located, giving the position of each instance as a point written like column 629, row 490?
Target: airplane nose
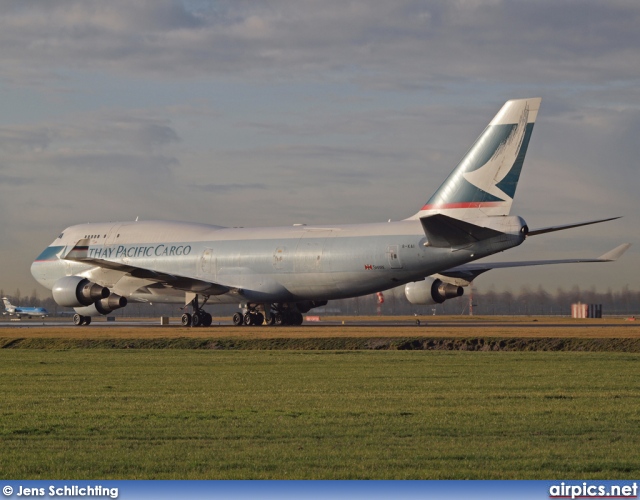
column 39, row 272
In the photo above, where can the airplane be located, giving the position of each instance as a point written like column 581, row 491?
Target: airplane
column 18, row 311
column 277, row 274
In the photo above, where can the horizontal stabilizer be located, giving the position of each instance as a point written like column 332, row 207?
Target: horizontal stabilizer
column 468, row 272
column 551, row 229
column 614, row 254
column 443, row 231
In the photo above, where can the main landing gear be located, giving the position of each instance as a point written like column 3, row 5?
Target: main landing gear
column 80, row 320
column 278, row 315
column 252, row 318
column 200, row 317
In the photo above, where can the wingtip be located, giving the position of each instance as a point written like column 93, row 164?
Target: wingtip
column 615, row 253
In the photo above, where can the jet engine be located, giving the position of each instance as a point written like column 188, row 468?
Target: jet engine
column 431, row 291
column 75, row 291
column 103, row 306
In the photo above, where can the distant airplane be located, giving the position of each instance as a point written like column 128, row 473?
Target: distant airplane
column 277, row 274
column 18, row 311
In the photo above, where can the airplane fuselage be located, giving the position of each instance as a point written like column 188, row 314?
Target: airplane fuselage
column 281, row 264
column 29, row 312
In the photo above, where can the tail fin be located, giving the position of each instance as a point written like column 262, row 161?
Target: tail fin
column 7, row 304
column 484, row 182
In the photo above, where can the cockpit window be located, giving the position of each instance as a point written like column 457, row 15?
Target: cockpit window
column 61, row 235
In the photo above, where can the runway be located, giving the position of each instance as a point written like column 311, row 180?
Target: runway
column 334, row 327
column 360, row 321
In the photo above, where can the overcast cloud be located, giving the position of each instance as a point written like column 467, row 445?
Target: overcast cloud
column 278, row 112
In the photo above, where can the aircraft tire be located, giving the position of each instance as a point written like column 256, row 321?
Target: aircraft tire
column 248, row 319
column 278, row 319
column 288, row 318
column 78, row 320
column 237, row 319
column 258, row 319
column 186, row 319
column 208, row 319
column 87, row 320
column 196, row 320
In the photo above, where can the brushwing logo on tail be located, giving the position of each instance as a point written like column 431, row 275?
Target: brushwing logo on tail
column 488, row 177
column 485, row 181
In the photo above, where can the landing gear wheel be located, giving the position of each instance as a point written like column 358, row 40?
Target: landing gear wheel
column 278, row 319
column 287, row 318
column 80, row 320
column 258, row 319
column 186, row 319
column 238, row 320
column 272, row 320
column 196, row 320
column 207, row 319
column 248, row 319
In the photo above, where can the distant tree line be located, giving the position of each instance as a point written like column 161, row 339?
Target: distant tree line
column 525, row 302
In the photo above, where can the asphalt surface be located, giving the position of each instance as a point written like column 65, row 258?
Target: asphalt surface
column 423, row 321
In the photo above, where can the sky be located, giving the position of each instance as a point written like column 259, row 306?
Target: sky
column 272, row 112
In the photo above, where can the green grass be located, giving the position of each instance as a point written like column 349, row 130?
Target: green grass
column 195, row 414
column 338, row 343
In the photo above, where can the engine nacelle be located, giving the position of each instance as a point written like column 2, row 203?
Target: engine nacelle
column 307, row 305
column 103, row 306
column 76, row 291
column 431, row 291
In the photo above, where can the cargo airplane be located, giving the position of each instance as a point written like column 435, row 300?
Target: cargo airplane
column 277, row 274
column 19, row 311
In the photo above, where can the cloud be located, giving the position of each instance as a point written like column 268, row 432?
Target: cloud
column 385, row 44
column 93, row 142
column 18, row 138
column 227, row 188
column 13, row 181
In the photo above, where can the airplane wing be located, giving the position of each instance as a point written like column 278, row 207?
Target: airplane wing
column 468, row 272
column 80, row 253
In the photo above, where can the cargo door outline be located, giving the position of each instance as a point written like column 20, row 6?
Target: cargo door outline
column 311, row 250
column 207, row 263
column 394, row 257
column 282, row 261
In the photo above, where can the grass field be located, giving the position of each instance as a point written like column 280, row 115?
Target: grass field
column 99, row 413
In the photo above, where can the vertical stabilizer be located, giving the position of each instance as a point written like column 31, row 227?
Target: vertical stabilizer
column 7, row 305
column 484, row 182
